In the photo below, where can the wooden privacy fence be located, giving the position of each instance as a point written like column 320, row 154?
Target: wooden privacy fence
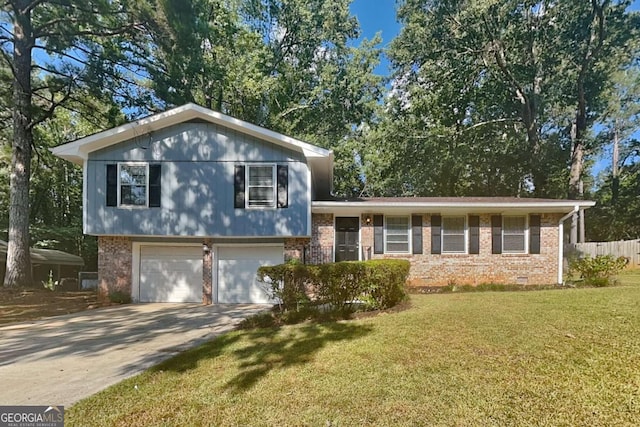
column 626, row 248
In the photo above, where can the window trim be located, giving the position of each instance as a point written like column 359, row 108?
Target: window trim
column 274, row 178
column 525, row 234
column 146, row 173
column 465, row 234
column 408, row 230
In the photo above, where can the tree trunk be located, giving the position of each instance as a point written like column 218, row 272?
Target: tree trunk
column 18, row 272
column 615, row 180
column 578, row 131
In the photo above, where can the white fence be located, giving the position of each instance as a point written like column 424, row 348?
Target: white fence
column 626, row 248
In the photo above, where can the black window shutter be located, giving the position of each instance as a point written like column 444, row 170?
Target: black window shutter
column 496, row 234
column 416, row 233
column 378, row 234
column 534, row 234
column 238, row 187
column 436, row 241
column 112, row 185
column 474, row 234
column 155, row 188
column 283, row 184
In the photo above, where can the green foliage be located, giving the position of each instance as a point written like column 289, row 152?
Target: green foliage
column 485, row 102
column 50, row 283
column 615, row 216
column 340, row 284
column 385, row 280
column 379, row 284
column 119, row 297
column 286, row 283
column 598, row 271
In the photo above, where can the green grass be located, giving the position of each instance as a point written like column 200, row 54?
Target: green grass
column 557, row 357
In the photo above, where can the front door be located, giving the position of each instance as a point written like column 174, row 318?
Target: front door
column 347, row 231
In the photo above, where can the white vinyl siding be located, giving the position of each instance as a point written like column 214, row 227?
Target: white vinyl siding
column 261, row 186
column 133, row 184
column 454, row 235
column 514, row 234
column 396, row 232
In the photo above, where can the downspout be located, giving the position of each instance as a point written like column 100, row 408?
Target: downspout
column 575, row 210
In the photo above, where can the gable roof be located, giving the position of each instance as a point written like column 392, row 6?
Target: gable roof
column 320, row 160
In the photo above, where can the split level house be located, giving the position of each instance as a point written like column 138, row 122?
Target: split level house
column 188, row 203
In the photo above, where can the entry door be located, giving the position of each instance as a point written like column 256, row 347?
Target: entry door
column 347, row 231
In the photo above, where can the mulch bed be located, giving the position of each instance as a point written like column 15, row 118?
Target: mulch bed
column 23, row 304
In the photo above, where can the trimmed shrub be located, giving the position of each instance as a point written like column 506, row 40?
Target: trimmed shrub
column 119, row 297
column 598, row 271
column 385, row 281
column 286, row 283
column 340, row 283
column 379, row 284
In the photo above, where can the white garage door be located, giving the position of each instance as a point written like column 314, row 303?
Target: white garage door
column 171, row 273
column 237, row 267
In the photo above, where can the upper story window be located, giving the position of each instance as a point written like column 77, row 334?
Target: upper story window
column 134, row 184
column 454, row 234
column 514, row 234
column 396, row 234
column 261, row 186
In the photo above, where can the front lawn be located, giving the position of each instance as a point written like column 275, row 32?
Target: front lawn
column 557, row 357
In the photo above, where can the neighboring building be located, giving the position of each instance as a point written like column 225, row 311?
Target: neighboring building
column 47, row 261
column 188, row 203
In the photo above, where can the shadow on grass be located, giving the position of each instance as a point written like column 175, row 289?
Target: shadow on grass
column 265, row 350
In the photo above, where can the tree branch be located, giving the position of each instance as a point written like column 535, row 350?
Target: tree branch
column 105, row 32
column 489, row 122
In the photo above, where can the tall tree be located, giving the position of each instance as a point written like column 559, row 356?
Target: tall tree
column 83, row 49
column 289, row 65
column 532, row 72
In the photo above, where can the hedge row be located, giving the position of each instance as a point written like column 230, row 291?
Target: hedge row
column 378, row 284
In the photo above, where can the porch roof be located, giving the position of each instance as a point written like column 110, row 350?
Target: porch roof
column 448, row 205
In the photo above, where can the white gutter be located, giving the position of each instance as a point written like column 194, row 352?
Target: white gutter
column 575, row 210
column 365, row 206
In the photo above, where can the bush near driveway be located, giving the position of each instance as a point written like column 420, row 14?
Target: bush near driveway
column 378, row 284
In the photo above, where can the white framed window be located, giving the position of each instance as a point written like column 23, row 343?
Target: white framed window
column 261, row 186
column 514, row 234
column 454, row 235
column 133, row 184
column 396, row 234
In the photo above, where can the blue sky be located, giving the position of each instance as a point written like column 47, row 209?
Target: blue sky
column 378, row 16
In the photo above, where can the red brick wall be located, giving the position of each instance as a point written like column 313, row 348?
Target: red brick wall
column 322, row 230
column 114, row 266
column 485, row 267
column 294, row 248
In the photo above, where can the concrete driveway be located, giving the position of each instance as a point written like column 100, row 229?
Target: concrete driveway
column 60, row 360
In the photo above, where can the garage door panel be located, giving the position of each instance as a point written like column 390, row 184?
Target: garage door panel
column 170, row 274
column 237, row 268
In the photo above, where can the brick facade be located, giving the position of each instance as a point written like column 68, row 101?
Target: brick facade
column 294, row 248
column 485, row 267
column 114, row 266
